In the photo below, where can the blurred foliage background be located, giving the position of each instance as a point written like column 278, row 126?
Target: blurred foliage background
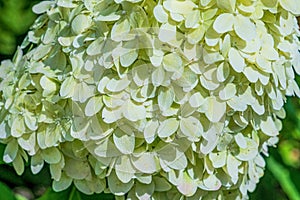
column 15, row 19
column 282, row 174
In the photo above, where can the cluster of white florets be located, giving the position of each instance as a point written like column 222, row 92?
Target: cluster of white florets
column 151, row 99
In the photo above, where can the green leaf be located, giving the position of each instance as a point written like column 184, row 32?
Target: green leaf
column 2, row 148
column 6, row 193
column 284, row 178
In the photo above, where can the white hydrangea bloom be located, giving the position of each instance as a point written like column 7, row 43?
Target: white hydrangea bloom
column 169, row 99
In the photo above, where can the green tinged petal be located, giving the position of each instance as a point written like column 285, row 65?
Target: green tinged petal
column 125, row 143
column 93, row 106
column 168, row 127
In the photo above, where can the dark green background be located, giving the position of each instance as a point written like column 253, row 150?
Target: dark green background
column 282, row 175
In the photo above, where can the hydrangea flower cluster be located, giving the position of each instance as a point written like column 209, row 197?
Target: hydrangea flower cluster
column 151, row 99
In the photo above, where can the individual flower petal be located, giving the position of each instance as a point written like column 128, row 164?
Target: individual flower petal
column 268, row 127
column 133, row 112
column 125, row 143
column 116, row 186
column 93, row 106
column 218, row 159
column 229, row 5
column 291, row 6
column 167, row 32
column 160, row 14
column 248, row 153
column 210, row 183
column 172, row 62
column 228, row 92
column 215, row 109
column 81, row 23
column 186, row 186
column 145, row 163
column 124, row 169
column 244, row 28
column 191, row 128
column 224, row 23
column 168, row 127
column 11, row 151
column 120, row 29
column 165, row 98
column 144, row 191
column 236, row 60
column 51, row 155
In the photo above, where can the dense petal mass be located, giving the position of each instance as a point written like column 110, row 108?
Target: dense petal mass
column 169, row 99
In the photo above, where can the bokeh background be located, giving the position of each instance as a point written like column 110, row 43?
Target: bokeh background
column 282, row 175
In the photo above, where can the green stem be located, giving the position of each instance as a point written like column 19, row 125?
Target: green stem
column 72, row 193
column 283, row 177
